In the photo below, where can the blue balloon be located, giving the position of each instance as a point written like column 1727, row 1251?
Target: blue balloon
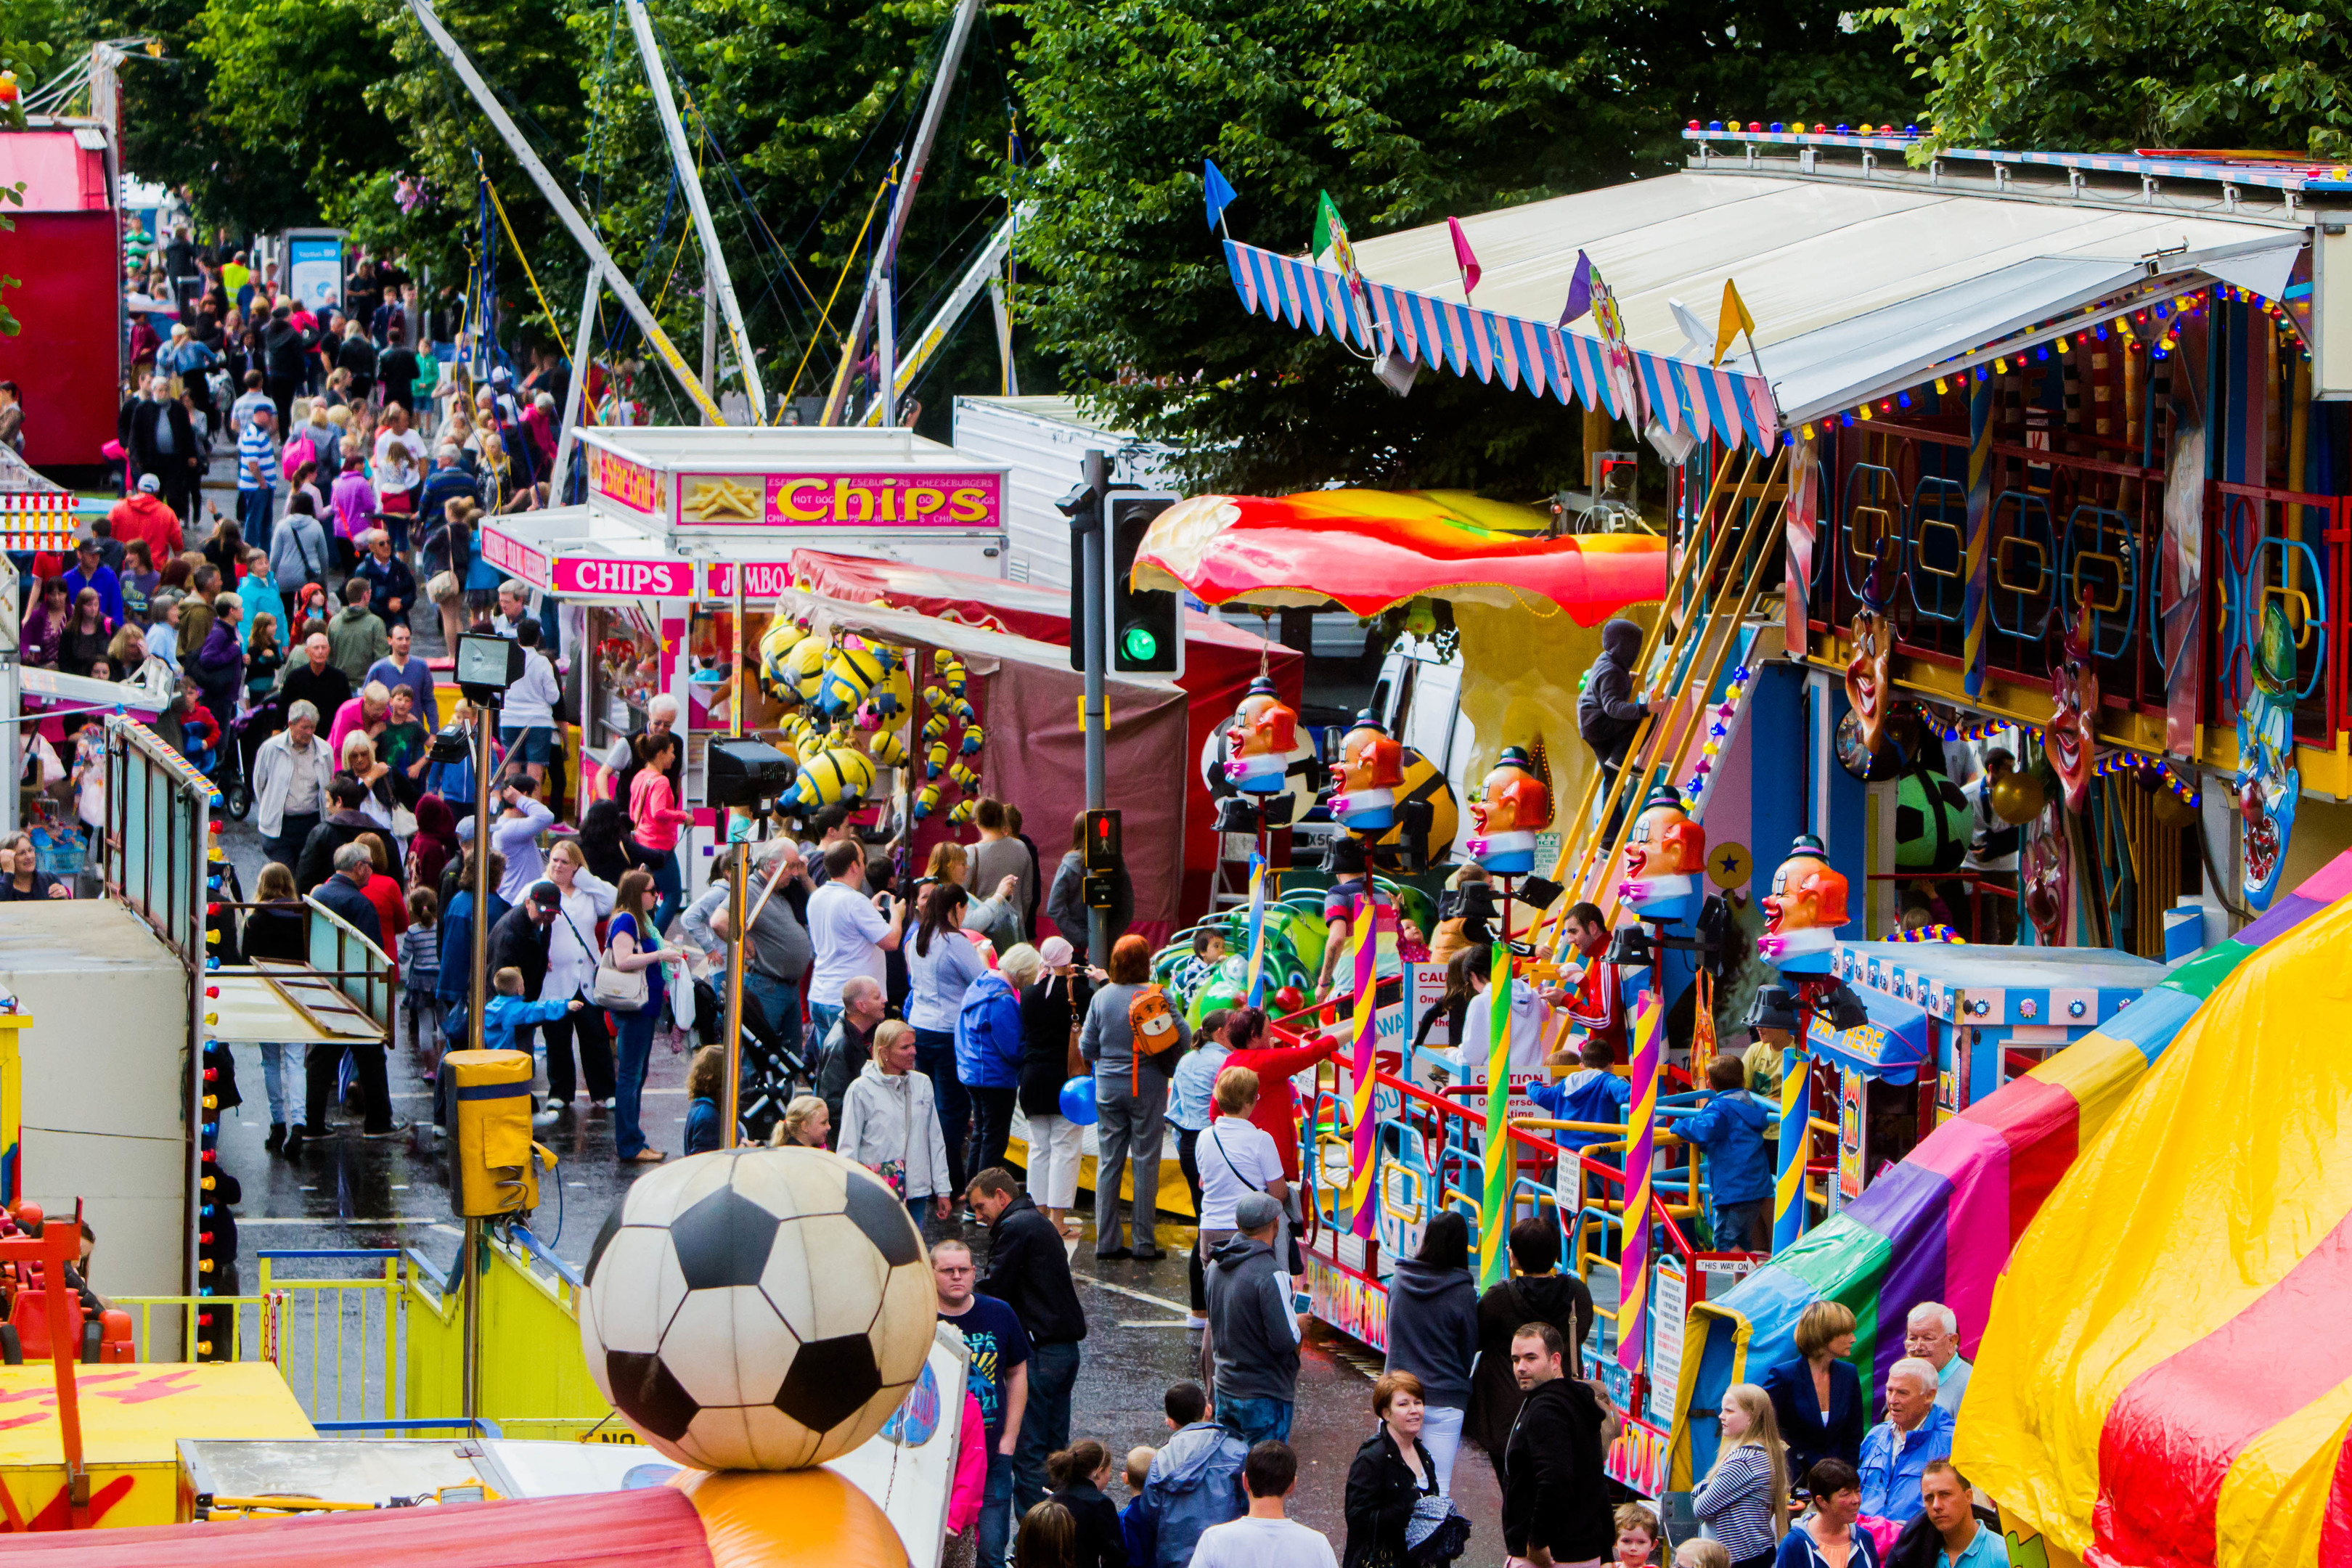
column 1078, row 1102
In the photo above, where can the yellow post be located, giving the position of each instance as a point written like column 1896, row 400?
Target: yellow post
column 12, row 1106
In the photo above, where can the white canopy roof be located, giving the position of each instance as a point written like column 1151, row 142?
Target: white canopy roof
column 1854, row 286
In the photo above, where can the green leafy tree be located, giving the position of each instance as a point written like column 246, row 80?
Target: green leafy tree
column 2103, row 75
column 1404, row 114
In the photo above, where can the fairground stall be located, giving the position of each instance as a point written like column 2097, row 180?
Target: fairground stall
column 2004, row 495
column 971, row 702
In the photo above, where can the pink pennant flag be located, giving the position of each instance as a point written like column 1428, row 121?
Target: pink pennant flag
column 1462, row 257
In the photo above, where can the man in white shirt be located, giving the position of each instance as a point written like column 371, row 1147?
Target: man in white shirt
column 1932, row 1333
column 849, row 931
column 1264, row 1537
column 527, row 721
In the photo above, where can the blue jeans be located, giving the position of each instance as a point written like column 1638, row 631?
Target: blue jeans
column 1255, row 1421
column 1046, row 1424
column 636, row 1050
column 666, row 887
column 996, row 1513
column 822, row 1018
column 780, row 1004
column 935, row 1060
column 1744, row 1227
column 254, row 506
column 273, row 1079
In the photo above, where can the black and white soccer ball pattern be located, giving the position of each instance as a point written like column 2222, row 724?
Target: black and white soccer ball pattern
column 758, row 1309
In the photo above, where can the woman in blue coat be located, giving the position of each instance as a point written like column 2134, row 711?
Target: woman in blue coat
column 989, row 1043
column 1818, row 1400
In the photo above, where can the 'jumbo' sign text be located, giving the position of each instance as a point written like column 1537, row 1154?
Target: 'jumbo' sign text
column 965, row 500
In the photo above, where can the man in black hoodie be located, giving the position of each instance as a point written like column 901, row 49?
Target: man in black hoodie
column 1029, row 1270
column 1607, row 715
column 285, row 348
column 1556, row 1506
column 1537, row 1293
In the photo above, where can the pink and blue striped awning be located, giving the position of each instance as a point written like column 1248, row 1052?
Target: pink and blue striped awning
column 1537, row 355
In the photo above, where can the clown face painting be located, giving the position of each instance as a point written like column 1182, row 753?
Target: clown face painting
column 2071, row 737
column 1371, row 765
column 1803, row 910
column 1868, row 675
column 2267, row 780
column 1662, row 854
column 1259, row 740
column 2043, row 878
column 1514, row 806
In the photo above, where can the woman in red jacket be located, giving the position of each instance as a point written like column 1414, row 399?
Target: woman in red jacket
column 1277, row 1100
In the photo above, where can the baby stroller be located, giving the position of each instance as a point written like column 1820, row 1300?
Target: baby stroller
column 245, row 734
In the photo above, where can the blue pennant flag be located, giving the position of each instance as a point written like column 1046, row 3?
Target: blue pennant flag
column 1219, row 194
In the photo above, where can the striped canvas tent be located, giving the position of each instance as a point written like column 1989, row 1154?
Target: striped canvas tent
column 1941, row 1224
column 2164, row 1379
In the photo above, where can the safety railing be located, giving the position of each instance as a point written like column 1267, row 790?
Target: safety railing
column 336, row 1339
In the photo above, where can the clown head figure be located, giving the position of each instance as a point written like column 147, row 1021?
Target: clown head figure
column 1372, row 765
column 1803, row 910
column 2043, row 877
column 2267, row 780
column 1663, row 851
column 1868, row 675
column 2071, row 736
column 1514, row 804
column 1259, row 740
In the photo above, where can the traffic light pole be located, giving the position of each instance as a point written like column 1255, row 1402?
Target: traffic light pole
column 1091, row 600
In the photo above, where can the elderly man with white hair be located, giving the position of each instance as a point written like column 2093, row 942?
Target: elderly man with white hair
column 776, row 897
column 621, row 757
column 1896, row 1452
column 1933, row 1335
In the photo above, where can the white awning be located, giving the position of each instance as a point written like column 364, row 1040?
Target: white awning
column 1851, row 284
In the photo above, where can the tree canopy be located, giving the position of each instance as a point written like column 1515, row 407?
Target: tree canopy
column 1404, row 114
column 2099, row 74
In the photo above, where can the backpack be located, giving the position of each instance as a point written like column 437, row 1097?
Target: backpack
column 1156, row 1030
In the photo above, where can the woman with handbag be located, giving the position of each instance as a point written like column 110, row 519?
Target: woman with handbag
column 890, row 1125
column 630, row 983
column 1049, row 1059
column 1398, row 1513
column 572, row 964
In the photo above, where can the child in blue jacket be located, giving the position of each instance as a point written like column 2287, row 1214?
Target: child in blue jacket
column 508, row 1012
column 1738, row 1171
column 1591, row 1093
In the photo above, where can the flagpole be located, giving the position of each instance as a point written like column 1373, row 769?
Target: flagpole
column 1753, row 357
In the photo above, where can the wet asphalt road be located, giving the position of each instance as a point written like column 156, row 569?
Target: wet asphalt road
column 344, row 1192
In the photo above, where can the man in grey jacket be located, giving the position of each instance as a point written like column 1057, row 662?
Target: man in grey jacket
column 1254, row 1327
column 779, row 942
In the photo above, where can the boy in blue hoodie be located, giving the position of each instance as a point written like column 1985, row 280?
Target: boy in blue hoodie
column 1738, row 1171
column 508, row 1012
column 1591, row 1093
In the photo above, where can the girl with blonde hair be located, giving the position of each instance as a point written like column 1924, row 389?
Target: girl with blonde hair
column 1745, row 1497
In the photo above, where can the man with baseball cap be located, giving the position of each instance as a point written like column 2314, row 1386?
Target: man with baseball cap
column 1254, row 1326
column 143, row 514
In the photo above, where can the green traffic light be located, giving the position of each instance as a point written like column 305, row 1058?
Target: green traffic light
column 1140, row 645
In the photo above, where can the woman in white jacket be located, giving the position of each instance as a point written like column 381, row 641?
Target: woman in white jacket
column 571, row 968
column 890, row 1126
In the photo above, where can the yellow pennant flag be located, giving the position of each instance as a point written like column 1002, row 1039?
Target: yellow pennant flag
column 1736, row 320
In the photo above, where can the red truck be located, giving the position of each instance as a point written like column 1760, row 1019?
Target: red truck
column 66, row 358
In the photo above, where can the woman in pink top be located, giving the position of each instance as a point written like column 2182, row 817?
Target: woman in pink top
column 655, row 817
